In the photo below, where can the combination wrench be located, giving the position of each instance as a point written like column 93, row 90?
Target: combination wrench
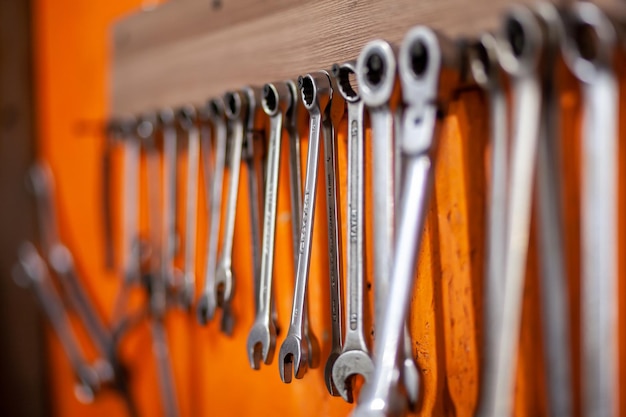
column 520, row 46
column 187, row 119
column 277, row 100
column 486, row 73
column 589, row 52
column 354, row 358
column 167, row 122
column 295, row 193
column 548, row 197
column 208, row 299
column 323, row 107
column 237, row 111
column 379, row 90
column 429, row 70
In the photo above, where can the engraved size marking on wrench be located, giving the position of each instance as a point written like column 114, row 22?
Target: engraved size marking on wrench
column 589, row 52
column 317, row 96
column 518, row 50
column 262, row 337
column 187, row 119
column 354, row 358
column 208, row 299
column 295, row 189
column 421, row 63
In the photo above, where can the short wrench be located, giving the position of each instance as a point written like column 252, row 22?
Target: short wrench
column 187, row 119
column 208, row 299
column 486, row 72
column 354, row 358
column 295, row 192
column 236, row 109
column 425, row 57
column 167, row 120
column 317, row 95
column 589, row 53
column 519, row 48
column 277, row 99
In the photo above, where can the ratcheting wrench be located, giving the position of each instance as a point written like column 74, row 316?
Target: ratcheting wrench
column 519, row 48
column 589, row 52
column 295, row 192
column 277, row 100
column 317, row 95
column 428, row 68
column 208, row 299
column 187, row 118
column 354, row 358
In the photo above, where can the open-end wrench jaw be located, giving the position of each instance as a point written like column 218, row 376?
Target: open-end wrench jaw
column 347, row 367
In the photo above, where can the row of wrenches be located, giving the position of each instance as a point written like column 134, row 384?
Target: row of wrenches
column 406, row 91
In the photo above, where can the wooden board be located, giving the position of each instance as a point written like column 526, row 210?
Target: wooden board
column 190, row 51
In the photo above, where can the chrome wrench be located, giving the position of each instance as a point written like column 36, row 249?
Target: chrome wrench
column 295, row 192
column 589, row 52
column 208, row 299
column 486, row 72
column 187, row 118
column 317, row 95
column 354, row 358
column 554, row 285
column 236, row 109
column 425, row 58
column 277, row 99
column 519, row 48
column 167, row 120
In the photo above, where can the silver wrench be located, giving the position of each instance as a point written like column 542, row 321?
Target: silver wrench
column 295, row 192
column 589, row 52
column 62, row 262
column 425, row 58
column 317, row 95
column 277, row 99
column 208, row 299
column 554, row 285
column 377, row 79
column 486, row 72
column 187, row 118
column 354, row 358
column 167, row 120
column 32, row 271
column 237, row 111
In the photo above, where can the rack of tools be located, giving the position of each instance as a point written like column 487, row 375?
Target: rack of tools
column 428, row 224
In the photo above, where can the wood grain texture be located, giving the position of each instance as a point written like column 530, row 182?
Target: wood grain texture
column 189, row 52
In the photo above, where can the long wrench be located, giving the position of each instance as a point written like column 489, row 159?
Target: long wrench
column 317, row 95
column 167, row 120
column 187, row 118
column 32, row 271
column 236, row 109
column 277, row 99
column 379, row 91
column 519, row 48
column 554, row 288
column 354, row 358
column 295, row 192
column 425, row 58
column 589, row 53
column 486, row 72
column 208, row 299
